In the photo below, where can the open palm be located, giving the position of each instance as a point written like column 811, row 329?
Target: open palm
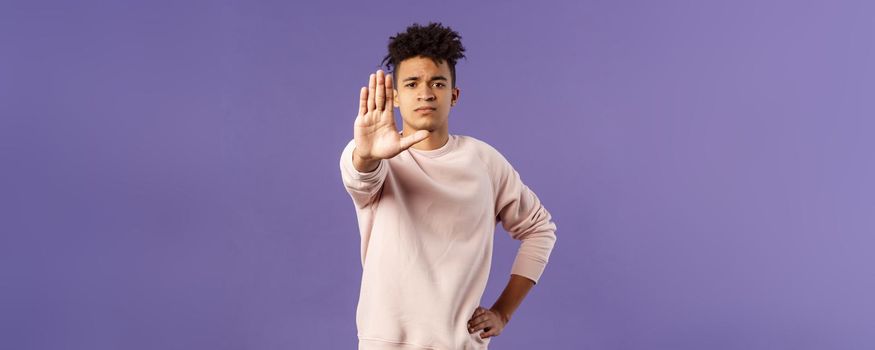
column 375, row 133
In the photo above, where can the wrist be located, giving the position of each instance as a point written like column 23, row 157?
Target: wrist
column 502, row 314
column 364, row 165
column 356, row 154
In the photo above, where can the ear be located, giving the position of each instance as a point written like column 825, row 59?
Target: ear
column 395, row 99
column 455, row 99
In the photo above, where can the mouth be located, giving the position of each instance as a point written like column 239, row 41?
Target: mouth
column 425, row 109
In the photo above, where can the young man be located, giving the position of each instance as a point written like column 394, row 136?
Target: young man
column 427, row 204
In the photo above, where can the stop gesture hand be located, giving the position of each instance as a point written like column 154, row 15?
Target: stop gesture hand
column 375, row 134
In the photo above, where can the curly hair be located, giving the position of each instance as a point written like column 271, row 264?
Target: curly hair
column 433, row 41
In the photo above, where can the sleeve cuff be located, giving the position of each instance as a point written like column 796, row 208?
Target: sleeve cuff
column 353, row 173
column 528, row 267
column 358, row 175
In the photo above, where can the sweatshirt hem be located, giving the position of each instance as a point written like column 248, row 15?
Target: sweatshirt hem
column 366, row 343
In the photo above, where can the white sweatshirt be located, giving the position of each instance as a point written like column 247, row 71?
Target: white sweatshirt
column 427, row 221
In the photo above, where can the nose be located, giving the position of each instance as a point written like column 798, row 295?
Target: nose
column 426, row 94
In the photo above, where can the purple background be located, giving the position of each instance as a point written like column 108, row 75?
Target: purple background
column 170, row 169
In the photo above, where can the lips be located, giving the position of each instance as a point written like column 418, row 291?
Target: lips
column 425, row 109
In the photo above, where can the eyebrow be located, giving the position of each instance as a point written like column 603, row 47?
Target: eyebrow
column 438, row 77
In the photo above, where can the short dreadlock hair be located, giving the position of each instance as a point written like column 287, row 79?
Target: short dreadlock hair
column 434, row 41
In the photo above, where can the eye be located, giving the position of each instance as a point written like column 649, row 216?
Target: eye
column 439, row 84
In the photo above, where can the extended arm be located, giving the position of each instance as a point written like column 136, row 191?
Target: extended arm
column 362, row 162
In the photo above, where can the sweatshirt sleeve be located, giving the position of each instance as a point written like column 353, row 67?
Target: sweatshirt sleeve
column 362, row 187
column 524, row 218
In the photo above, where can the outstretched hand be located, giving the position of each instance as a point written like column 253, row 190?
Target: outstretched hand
column 490, row 321
column 375, row 133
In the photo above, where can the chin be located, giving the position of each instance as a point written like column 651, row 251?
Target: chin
column 431, row 124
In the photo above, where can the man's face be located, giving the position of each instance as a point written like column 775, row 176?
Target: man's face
column 419, row 82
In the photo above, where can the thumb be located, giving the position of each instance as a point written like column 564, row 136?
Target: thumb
column 408, row 141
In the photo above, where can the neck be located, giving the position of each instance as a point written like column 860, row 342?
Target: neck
column 436, row 139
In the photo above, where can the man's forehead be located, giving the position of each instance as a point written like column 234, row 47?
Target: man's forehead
column 426, row 77
column 422, row 68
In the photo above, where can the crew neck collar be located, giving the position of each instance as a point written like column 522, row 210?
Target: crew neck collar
column 448, row 146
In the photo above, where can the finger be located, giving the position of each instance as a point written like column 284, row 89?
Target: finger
column 390, row 92
column 408, row 141
column 480, row 322
column 488, row 333
column 477, row 312
column 478, row 326
column 476, row 319
column 381, row 90
column 372, row 87
column 363, row 101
